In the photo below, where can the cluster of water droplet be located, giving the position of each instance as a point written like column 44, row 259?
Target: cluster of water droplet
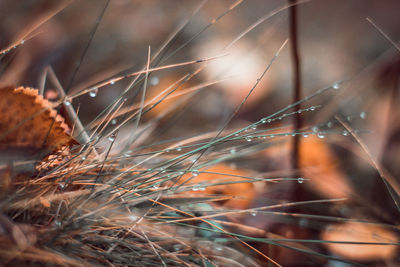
column 199, row 187
column 4, row 52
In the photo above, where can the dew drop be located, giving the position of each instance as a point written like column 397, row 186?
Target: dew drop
column 263, row 121
column 181, row 173
column 154, row 81
column 111, row 138
column 348, row 118
column 178, row 149
column 195, row 188
column 269, row 120
column 156, row 186
column 329, row 124
column 314, row 129
column 253, row 213
column 23, row 41
column 300, row 180
column 84, row 158
column 248, row 138
column 254, row 127
column 345, row 133
column 363, row 115
column 57, row 223
column 320, row 135
column 303, row 223
column 336, row 86
column 61, row 185
column 114, row 121
column 176, row 247
column 232, row 151
column 112, row 82
column 132, row 218
column 305, row 135
column 93, row 92
column 236, row 134
column 219, row 248
column 195, row 173
column 67, row 102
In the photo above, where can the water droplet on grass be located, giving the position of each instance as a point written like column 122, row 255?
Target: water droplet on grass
column 300, row 180
column 195, row 187
column 93, row 92
column 336, row 85
column 67, row 102
column 154, row 81
column 132, row 218
column 111, row 138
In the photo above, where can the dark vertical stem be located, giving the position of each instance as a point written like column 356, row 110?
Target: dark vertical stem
column 293, row 25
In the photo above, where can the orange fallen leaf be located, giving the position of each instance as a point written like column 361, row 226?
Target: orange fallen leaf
column 319, row 164
column 241, row 193
column 360, row 232
column 27, row 121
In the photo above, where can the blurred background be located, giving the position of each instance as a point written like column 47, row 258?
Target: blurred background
column 336, row 44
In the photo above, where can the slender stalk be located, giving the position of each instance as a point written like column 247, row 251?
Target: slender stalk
column 293, row 28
